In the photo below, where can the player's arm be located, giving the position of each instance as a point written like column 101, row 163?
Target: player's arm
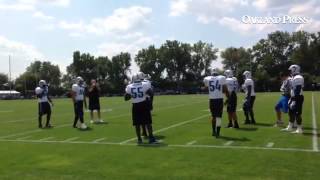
column 127, row 97
column 50, row 100
column 85, row 100
column 150, row 92
column 73, row 96
column 249, row 92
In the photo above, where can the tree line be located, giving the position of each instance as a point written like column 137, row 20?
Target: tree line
column 181, row 67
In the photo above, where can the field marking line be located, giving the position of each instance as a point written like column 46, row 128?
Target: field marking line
column 170, row 145
column 70, row 139
column 191, row 143
column 98, row 140
column 228, row 143
column 32, row 131
column 270, row 144
column 169, row 127
column 24, row 138
column 45, row 139
column 314, row 128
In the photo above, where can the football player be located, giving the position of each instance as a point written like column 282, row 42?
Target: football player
column 137, row 91
column 282, row 105
column 232, row 85
column 79, row 99
column 43, row 103
column 248, row 87
column 296, row 99
column 94, row 101
column 216, row 85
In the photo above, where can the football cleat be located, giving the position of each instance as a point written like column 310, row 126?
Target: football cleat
column 139, row 141
column 91, row 121
column 153, row 141
column 289, row 128
column 236, row 125
column 100, row 121
column 298, row 131
column 83, row 126
column 229, row 125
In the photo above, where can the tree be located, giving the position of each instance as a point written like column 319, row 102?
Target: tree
column 3, row 81
column 120, row 65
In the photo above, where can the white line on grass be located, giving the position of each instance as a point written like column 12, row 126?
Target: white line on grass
column 191, row 142
column 32, row 131
column 170, row 145
column 98, row 140
column 46, row 139
column 228, row 143
column 314, row 125
column 24, row 138
column 169, row 127
column 71, row 139
column 270, row 144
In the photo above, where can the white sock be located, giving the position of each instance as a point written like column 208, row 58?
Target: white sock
column 218, row 122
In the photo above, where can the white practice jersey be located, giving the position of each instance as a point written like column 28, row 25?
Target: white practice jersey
column 79, row 91
column 296, row 81
column 232, row 84
column 215, row 85
column 245, row 86
column 149, row 82
column 43, row 92
column 138, row 91
column 286, row 87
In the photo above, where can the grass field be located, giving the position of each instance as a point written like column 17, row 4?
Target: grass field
column 187, row 149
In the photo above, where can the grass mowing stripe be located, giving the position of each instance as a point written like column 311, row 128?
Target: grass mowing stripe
column 24, row 138
column 314, row 129
column 71, row 139
column 98, row 140
column 169, row 127
column 170, row 145
column 45, row 139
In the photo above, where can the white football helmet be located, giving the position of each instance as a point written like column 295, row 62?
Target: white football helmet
column 228, row 73
column 247, row 74
column 214, row 71
column 147, row 76
column 135, row 78
column 42, row 83
column 79, row 80
column 295, row 69
column 141, row 75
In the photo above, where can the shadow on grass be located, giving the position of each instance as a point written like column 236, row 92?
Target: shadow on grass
column 310, row 134
column 84, row 130
column 264, row 124
column 159, row 137
column 243, row 139
column 247, row 129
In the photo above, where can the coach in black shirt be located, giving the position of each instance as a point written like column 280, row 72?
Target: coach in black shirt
column 94, row 102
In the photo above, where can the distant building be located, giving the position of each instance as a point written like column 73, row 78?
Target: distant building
column 5, row 94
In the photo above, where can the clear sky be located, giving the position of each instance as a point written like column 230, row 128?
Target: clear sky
column 52, row 29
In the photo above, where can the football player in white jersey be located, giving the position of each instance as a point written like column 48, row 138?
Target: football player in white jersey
column 43, row 103
column 79, row 99
column 138, row 91
column 216, row 85
column 248, row 87
column 282, row 105
column 296, row 99
column 232, row 85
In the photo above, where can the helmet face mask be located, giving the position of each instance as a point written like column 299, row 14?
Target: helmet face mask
column 214, row 72
column 247, row 74
column 42, row 83
column 228, row 73
column 294, row 69
column 79, row 80
column 140, row 75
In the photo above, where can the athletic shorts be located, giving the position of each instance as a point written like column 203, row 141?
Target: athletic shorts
column 78, row 108
column 297, row 109
column 94, row 105
column 247, row 105
column 282, row 104
column 216, row 107
column 141, row 114
column 44, row 108
column 232, row 103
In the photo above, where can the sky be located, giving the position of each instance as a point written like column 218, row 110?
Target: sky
column 52, row 30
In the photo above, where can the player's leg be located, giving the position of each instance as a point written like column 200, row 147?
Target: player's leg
column 277, row 109
column 91, row 116
column 291, row 116
column 298, row 114
column 138, row 133
column 252, row 99
column 218, row 114
column 229, row 110
column 39, row 115
column 246, row 112
column 81, row 115
column 48, row 111
column 76, row 116
column 144, row 130
column 213, row 118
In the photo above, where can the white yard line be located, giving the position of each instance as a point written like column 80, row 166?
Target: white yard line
column 170, row 145
column 32, row 131
column 191, row 143
column 270, row 145
column 314, row 127
column 46, row 139
column 98, row 140
column 70, row 139
column 24, row 138
column 169, row 127
column 228, row 143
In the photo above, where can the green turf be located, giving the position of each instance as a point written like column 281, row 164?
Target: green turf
column 22, row 156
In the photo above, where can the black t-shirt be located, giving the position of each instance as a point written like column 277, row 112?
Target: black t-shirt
column 94, row 94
